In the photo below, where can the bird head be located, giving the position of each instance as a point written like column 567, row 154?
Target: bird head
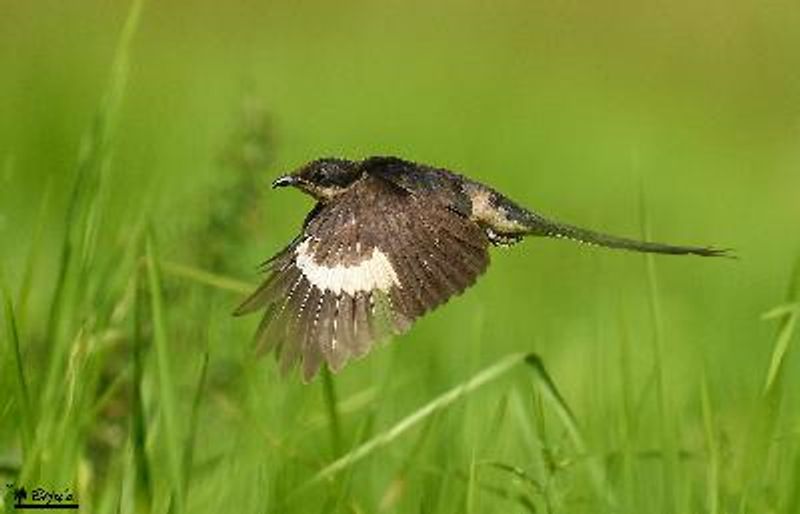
column 323, row 179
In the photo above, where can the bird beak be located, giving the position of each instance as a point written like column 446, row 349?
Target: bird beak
column 286, row 180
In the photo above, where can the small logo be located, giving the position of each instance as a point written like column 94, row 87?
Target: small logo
column 41, row 498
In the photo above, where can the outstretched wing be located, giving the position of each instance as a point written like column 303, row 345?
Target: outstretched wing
column 366, row 266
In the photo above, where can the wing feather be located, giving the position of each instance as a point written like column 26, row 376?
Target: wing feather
column 366, row 266
column 362, row 329
column 312, row 356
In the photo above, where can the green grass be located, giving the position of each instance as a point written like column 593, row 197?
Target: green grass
column 137, row 145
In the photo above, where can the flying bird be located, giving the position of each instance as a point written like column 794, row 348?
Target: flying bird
column 388, row 241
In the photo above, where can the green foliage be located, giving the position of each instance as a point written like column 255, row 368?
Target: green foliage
column 569, row 379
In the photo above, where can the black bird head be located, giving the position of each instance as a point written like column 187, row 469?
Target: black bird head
column 323, row 178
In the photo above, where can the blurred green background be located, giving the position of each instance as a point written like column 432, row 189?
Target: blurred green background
column 679, row 120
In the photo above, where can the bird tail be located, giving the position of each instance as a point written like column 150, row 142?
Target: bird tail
column 540, row 226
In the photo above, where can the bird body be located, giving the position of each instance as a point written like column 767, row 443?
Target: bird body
column 388, row 241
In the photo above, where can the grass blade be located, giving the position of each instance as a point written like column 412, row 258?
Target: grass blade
column 670, row 462
column 550, row 393
column 331, row 407
column 439, row 403
column 70, row 292
column 781, row 311
column 166, row 389
column 206, row 278
column 768, row 408
column 188, row 456
column 33, row 254
column 788, row 314
column 143, row 488
column 22, row 393
column 712, row 447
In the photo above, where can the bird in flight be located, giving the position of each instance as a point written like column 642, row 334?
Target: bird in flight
column 387, row 241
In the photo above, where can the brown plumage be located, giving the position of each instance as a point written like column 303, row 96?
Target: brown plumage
column 388, row 241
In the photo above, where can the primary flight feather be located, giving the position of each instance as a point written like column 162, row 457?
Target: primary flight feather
column 388, row 241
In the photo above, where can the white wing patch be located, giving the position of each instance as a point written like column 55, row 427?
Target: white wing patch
column 374, row 272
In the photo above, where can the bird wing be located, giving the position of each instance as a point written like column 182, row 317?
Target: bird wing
column 366, row 266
